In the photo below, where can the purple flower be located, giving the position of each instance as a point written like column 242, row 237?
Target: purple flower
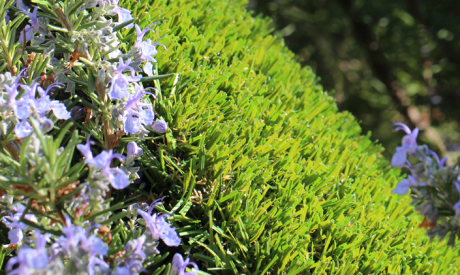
column 137, row 113
column 456, row 206
column 76, row 236
column 33, row 21
column 123, row 16
column 122, row 270
column 403, row 187
column 135, row 255
column 179, row 266
column 28, row 104
column 23, row 129
column 409, row 145
column 118, row 89
column 44, row 104
column 29, row 34
column 148, row 69
column 159, row 227
column 86, row 149
column 148, row 48
column 12, row 221
column 440, row 162
column 117, row 177
column 20, row 5
column 77, row 241
column 133, row 150
column 30, row 259
column 159, row 126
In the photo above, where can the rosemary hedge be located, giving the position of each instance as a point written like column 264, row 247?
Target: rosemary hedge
column 256, row 169
column 268, row 177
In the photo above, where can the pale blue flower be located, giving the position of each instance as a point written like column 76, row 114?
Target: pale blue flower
column 133, row 151
column 159, row 126
column 135, row 114
column 33, row 21
column 119, row 83
column 123, row 16
column 456, row 206
column 117, row 177
column 29, row 34
column 132, row 265
column 148, row 69
column 409, row 145
column 85, row 149
column 20, row 5
column 441, row 162
column 148, row 48
column 159, row 228
column 122, row 270
column 28, row 104
column 179, row 266
column 23, row 129
column 12, row 221
column 77, row 242
column 29, row 259
column 403, row 187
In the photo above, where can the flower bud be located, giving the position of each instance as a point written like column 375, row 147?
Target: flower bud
column 159, row 126
column 133, row 150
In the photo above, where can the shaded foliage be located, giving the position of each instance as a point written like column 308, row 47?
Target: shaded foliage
column 387, row 61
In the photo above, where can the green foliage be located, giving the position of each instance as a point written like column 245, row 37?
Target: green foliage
column 265, row 175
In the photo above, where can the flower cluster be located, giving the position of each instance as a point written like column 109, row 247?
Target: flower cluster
column 434, row 187
column 35, row 101
column 102, row 164
column 68, row 76
column 78, row 251
column 12, row 221
column 75, row 252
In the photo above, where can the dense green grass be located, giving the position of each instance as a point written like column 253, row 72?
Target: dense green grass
column 288, row 184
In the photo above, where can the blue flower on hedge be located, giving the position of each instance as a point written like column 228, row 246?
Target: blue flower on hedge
column 22, row 108
column 159, row 126
column 29, row 259
column 441, row 162
column 403, row 187
column 77, row 242
column 12, row 221
column 409, row 145
column 159, row 228
column 119, row 88
column 133, row 151
column 28, row 29
column 117, row 177
column 136, row 257
column 137, row 113
column 123, row 16
column 179, row 266
column 148, row 48
column 456, row 206
column 28, row 32
column 20, row 5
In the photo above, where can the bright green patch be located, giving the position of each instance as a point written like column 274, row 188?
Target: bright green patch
column 288, row 186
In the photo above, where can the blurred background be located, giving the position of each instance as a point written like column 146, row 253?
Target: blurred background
column 383, row 61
